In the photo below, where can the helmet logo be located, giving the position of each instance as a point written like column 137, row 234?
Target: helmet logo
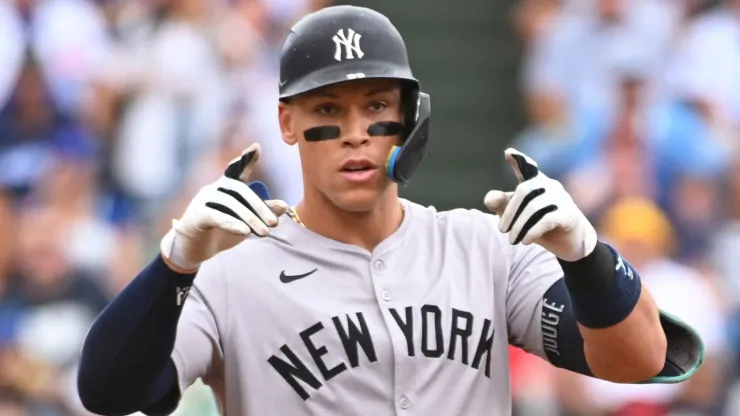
column 349, row 43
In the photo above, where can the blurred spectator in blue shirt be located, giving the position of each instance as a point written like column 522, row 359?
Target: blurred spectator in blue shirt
column 31, row 126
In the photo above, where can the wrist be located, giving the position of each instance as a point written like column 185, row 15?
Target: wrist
column 592, row 273
column 603, row 288
column 173, row 254
column 583, row 243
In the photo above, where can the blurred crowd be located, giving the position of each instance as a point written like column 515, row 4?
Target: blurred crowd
column 635, row 106
column 114, row 112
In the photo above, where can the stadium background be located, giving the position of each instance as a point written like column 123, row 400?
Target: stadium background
column 114, row 112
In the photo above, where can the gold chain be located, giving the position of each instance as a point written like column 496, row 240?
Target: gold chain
column 294, row 215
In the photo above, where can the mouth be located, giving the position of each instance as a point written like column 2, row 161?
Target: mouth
column 358, row 170
column 357, row 165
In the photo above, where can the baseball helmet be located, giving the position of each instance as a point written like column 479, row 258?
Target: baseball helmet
column 343, row 43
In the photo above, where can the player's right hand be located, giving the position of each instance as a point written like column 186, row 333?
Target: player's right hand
column 220, row 216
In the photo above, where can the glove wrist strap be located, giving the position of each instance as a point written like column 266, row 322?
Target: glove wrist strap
column 173, row 254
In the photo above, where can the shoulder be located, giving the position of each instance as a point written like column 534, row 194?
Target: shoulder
column 463, row 218
column 248, row 258
column 466, row 225
column 253, row 250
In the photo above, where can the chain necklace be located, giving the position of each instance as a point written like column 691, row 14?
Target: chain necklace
column 294, row 215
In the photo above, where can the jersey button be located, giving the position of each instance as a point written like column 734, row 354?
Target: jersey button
column 404, row 402
column 379, row 265
column 386, row 295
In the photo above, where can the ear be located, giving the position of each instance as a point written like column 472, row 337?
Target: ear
column 285, row 117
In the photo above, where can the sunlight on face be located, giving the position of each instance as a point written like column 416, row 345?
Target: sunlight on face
column 348, row 171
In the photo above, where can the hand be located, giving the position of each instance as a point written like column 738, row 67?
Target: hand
column 541, row 211
column 221, row 216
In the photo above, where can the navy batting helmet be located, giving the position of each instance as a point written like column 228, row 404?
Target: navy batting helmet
column 341, row 43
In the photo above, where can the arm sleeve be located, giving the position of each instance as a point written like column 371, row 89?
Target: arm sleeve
column 133, row 354
column 533, row 272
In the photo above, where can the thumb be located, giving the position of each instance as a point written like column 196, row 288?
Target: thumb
column 524, row 167
column 277, row 207
column 241, row 167
column 497, row 201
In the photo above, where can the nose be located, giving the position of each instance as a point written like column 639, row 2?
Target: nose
column 354, row 132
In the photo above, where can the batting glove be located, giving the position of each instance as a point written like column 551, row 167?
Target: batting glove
column 541, row 211
column 220, row 216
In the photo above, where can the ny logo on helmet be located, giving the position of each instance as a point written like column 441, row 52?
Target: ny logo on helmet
column 349, row 42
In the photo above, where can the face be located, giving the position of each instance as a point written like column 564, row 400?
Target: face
column 610, row 10
column 349, row 171
column 632, row 93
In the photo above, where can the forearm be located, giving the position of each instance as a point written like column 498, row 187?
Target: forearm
column 617, row 318
column 125, row 365
column 631, row 351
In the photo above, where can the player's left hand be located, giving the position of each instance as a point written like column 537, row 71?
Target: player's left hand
column 541, row 211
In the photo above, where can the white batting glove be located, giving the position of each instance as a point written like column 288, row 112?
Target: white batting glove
column 541, row 211
column 220, row 216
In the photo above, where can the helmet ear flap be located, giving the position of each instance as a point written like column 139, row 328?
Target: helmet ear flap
column 403, row 161
column 410, row 100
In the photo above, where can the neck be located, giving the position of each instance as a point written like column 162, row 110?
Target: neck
column 364, row 229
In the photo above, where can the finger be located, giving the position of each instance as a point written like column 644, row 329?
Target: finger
column 496, row 201
column 241, row 167
column 244, row 194
column 229, row 205
column 226, row 222
column 530, row 217
column 513, row 216
column 508, row 216
column 522, row 196
column 546, row 224
column 524, row 167
column 277, row 206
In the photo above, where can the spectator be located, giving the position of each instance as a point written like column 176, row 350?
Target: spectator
column 575, row 55
column 56, row 306
column 701, row 71
column 30, row 127
column 531, row 17
column 174, row 81
column 254, row 79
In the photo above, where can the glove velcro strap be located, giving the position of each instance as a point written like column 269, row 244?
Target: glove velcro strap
column 173, row 256
column 603, row 288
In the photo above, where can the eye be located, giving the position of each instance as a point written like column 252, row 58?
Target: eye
column 327, row 109
column 378, row 106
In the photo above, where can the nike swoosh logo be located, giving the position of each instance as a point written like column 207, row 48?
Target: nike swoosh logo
column 287, row 278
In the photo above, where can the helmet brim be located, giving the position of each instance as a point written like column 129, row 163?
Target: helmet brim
column 343, row 73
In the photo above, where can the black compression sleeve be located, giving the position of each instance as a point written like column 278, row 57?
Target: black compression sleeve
column 125, row 365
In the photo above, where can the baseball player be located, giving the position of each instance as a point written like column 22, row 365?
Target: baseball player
column 358, row 302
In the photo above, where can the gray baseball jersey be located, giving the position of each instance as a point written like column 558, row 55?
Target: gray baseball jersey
column 298, row 324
